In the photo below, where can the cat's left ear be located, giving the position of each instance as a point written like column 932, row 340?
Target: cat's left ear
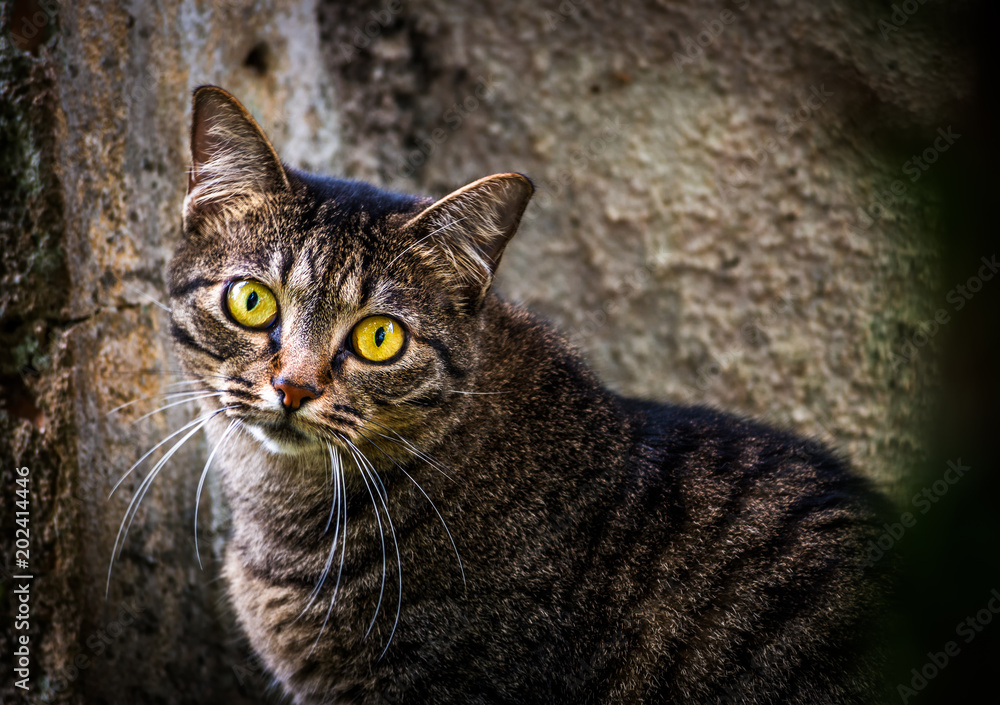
column 466, row 232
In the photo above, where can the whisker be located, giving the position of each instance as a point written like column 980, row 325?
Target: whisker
column 335, row 506
column 172, row 395
column 343, row 541
column 179, row 431
column 330, row 464
column 147, row 482
column 395, row 542
column 378, row 518
column 429, row 235
column 444, row 524
column 399, row 562
column 205, row 395
column 416, row 453
column 201, row 484
column 459, row 391
column 343, row 553
column 434, row 463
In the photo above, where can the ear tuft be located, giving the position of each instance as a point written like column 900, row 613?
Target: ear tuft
column 465, row 233
column 231, row 158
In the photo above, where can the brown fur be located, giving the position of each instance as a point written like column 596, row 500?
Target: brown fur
column 556, row 543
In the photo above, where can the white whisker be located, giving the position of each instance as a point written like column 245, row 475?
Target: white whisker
column 147, row 482
column 334, row 508
column 378, row 518
column 201, row 483
column 172, row 395
column 444, row 524
column 204, row 395
column 152, row 450
column 343, row 551
column 425, row 237
column 402, row 442
column 459, row 391
column 383, row 496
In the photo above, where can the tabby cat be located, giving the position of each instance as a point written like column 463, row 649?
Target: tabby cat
column 435, row 501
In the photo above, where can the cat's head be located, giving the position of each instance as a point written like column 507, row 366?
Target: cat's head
column 323, row 309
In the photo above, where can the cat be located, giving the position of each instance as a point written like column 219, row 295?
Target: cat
column 434, row 500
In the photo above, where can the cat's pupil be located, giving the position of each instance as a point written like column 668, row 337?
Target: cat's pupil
column 252, row 300
column 379, row 336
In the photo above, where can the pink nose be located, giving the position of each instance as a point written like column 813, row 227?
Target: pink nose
column 293, row 395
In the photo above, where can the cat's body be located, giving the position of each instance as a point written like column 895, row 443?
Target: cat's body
column 556, row 543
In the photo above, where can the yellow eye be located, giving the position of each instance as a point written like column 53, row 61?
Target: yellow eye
column 252, row 304
column 377, row 338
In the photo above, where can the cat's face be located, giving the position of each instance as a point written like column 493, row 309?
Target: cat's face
column 324, row 311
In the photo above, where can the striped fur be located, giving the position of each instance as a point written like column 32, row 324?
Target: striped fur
column 480, row 521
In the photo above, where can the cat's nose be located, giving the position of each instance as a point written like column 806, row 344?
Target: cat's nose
column 292, row 395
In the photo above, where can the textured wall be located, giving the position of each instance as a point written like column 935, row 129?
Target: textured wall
column 704, row 176
column 715, row 222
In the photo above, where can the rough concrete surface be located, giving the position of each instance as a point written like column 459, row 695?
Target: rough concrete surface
column 715, row 223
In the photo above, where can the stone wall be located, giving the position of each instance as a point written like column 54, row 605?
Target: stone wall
column 728, row 212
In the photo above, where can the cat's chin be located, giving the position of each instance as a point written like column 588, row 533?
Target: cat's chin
column 283, row 441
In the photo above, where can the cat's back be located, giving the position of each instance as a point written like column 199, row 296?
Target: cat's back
column 757, row 592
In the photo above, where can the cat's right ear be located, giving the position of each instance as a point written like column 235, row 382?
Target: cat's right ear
column 232, row 160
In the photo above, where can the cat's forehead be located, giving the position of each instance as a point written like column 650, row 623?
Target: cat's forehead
column 338, row 254
column 326, row 262
column 326, row 232
column 334, row 244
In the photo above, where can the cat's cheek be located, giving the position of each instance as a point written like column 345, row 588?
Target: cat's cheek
column 390, row 385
